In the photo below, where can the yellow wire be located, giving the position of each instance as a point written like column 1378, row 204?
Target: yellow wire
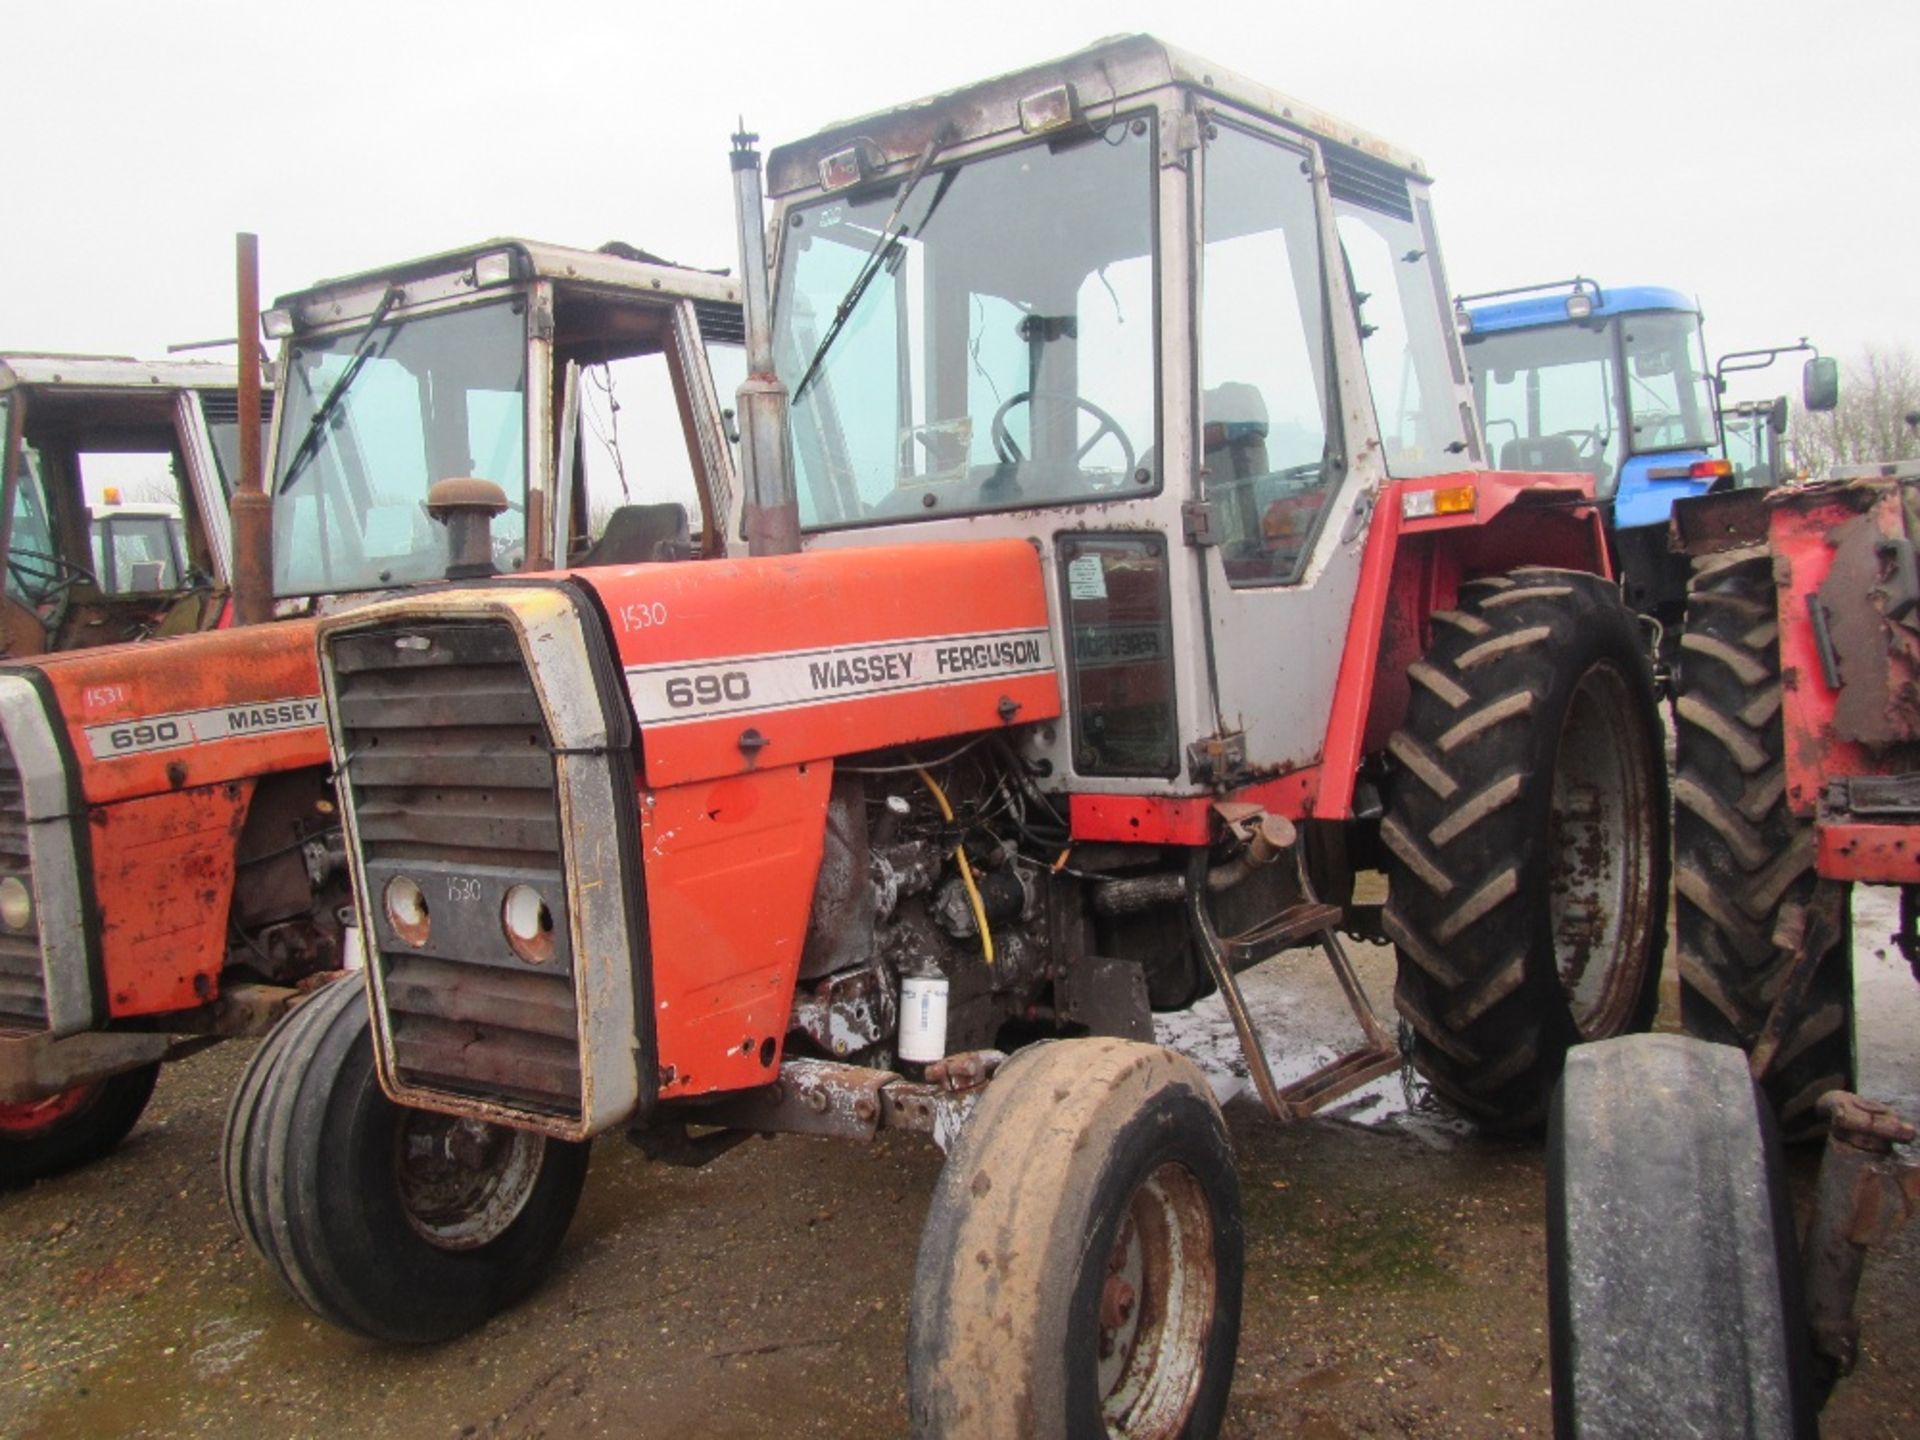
column 966, row 870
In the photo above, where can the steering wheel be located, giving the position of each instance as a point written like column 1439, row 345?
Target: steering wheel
column 43, row 576
column 1588, row 444
column 1009, row 451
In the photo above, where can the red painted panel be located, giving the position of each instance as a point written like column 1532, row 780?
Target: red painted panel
column 730, row 867
column 828, row 653
column 163, row 880
column 195, row 710
column 1872, row 854
column 1184, row 819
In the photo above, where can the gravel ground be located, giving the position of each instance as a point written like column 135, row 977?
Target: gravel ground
column 1395, row 1279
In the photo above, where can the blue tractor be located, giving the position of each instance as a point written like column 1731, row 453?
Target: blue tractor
column 1615, row 382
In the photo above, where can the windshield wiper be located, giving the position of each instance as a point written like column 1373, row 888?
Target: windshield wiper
column 310, row 441
column 881, row 254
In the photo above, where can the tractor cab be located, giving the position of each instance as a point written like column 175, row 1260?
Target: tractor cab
column 1613, row 382
column 576, row 381
column 88, row 440
column 1181, row 334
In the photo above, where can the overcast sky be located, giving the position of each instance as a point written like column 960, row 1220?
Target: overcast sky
column 1760, row 155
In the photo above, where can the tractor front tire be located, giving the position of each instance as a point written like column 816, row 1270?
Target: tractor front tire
column 1743, row 861
column 62, row 1132
column 1526, row 840
column 393, row 1223
column 1673, row 1273
column 1080, row 1271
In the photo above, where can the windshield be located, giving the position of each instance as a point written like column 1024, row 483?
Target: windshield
column 1549, row 399
column 135, row 554
column 1667, row 382
column 1750, row 448
column 438, row 396
column 1002, row 355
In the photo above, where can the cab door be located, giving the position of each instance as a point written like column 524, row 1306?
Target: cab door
column 1287, row 463
column 1327, row 365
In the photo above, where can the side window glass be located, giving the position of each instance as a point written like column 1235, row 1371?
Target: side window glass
column 1270, row 461
column 1408, row 373
column 33, row 571
column 633, row 446
column 727, row 363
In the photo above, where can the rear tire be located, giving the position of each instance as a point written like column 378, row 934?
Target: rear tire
column 1080, row 1270
column 393, row 1223
column 1742, row 859
column 1673, row 1273
column 62, row 1132
column 1526, row 840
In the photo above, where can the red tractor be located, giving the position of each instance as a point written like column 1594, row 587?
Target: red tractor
column 1135, row 578
column 171, row 863
column 1798, row 708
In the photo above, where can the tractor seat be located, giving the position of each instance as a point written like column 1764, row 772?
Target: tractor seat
column 640, row 534
column 1234, row 422
column 1552, row 453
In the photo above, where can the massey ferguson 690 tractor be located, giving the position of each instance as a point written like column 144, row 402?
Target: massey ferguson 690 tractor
column 87, row 440
column 1136, row 575
column 171, row 864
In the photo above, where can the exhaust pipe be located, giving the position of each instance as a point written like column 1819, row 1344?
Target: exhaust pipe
column 250, row 508
column 772, row 508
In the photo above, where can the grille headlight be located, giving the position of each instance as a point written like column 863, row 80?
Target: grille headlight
column 529, row 924
column 407, row 910
column 16, row 903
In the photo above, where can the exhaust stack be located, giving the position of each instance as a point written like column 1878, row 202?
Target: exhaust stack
column 772, row 509
column 250, row 508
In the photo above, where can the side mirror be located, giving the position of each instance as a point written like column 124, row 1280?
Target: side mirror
column 1820, row 383
column 1777, row 416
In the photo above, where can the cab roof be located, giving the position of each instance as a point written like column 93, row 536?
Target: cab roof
column 613, row 267
column 1550, row 308
column 1107, row 73
column 113, row 372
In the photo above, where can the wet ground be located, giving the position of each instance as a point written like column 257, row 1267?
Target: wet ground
column 1395, row 1279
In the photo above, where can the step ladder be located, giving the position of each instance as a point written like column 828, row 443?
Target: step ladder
column 1378, row 1055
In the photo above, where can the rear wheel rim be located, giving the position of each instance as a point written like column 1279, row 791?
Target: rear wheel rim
column 1156, row 1307
column 30, row 1118
column 462, row 1182
column 1600, row 848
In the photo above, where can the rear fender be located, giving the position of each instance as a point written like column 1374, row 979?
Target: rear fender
column 1413, row 567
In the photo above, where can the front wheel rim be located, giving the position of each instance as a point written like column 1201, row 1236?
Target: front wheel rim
column 30, row 1118
column 463, row 1182
column 1156, row 1305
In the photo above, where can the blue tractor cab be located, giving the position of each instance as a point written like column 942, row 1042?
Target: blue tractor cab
column 1614, row 382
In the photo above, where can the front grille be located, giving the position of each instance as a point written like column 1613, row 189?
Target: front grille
column 450, row 774
column 23, row 994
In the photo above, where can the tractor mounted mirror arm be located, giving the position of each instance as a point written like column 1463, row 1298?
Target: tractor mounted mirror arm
column 1819, row 379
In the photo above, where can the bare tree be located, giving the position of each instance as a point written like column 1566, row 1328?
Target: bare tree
column 1877, row 393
